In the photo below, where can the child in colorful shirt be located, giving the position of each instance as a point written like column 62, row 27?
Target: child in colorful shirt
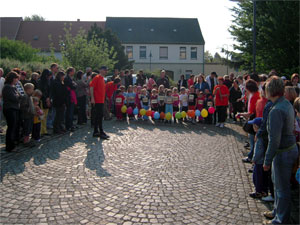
column 183, row 98
column 119, row 102
column 175, row 100
column 144, row 100
column 169, row 104
column 154, row 100
column 200, row 100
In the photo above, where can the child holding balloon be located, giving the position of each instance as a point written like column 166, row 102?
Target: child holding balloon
column 200, row 104
column 192, row 102
column 175, row 100
column 144, row 100
column 119, row 102
column 209, row 104
column 169, row 104
column 130, row 99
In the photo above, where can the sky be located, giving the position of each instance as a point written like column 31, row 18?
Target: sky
column 214, row 16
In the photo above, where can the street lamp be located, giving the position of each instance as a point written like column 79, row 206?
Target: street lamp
column 253, row 32
column 150, row 56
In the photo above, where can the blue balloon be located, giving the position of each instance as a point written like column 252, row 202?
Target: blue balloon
column 197, row 113
column 156, row 115
column 298, row 175
column 135, row 111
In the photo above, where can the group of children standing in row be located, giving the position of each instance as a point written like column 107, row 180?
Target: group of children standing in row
column 161, row 99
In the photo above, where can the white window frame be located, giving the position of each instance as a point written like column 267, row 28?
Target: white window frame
column 128, row 53
column 182, row 50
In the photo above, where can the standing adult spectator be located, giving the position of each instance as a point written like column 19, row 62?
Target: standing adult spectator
column 116, row 74
column 222, row 95
column 23, row 76
column 19, row 84
column 122, row 78
column 231, row 77
column 282, row 150
column 34, row 79
column 150, row 83
column 97, row 87
column 71, row 98
column 191, row 81
column 201, row 85
column 129, row 77
column 44, row 86
column 227, row 81
column 51, row 112
column 140, row 81
column 295, row 80
column 59, row 95
column 182, row 82
column 253, row 97
column 2, row 81
column 88, row 70
column 235, row 93
column 81, row 98
column 212, row 81
column 11, row 108
column 163, row 80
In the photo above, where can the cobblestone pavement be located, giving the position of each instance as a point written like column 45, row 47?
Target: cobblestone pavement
column 163, row 174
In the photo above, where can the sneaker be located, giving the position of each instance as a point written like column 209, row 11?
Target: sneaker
column 222, row 125
column 268, row 198
column 218, row 124
column 269, row 215
column 246, row 160
column 247, row 145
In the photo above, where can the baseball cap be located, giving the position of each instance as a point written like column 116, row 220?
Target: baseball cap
column 257, row 121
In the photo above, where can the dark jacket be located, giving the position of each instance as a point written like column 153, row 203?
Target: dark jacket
column 70, row 85
column 11, row 97
column 163, row 81
column 140, row 81
column 184, row 84
column 59, row 93
column 35, row 83
column 44, row 87
column 128, row 80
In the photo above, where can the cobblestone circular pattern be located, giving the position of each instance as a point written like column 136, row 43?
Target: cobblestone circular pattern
column 143, row 174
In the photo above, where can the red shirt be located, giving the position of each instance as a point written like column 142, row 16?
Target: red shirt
column 252, row 102
column 120, row 100
column 190, row 82
column 260, row 105
column 224, row 91
column 98, row 84
column 110, row 89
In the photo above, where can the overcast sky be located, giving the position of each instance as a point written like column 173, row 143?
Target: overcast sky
column 214, row 16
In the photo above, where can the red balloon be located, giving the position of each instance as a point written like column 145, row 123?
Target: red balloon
column 162, row 115
column 191, row 113
column 129, row 110
column 149, row 113
column 152, row 114
column 211, row 110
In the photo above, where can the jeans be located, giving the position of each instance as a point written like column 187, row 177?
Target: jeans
column 12, row 120
column 82, row 109
column 252, row 144
column 69, row 116
column 50, row 117
column 260, row 179
column 282, row 166
column 98, row 118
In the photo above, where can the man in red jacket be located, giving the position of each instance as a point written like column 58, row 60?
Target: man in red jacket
column 97, row 88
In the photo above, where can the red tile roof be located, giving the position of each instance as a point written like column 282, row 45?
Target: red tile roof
column 37, row 32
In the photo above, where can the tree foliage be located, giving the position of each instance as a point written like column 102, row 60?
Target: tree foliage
column 81, row 53
column 18, row 50
column 34, row 17
column 113, row 41
column 277, row 41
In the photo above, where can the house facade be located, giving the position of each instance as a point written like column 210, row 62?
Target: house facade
column 173, row 44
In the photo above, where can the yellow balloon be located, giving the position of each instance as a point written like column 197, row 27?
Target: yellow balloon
column 204, row 113
column 143, row 112
column 168, row 116
column 124, row 109
column 183, row 114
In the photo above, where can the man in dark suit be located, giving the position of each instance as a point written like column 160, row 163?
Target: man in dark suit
column 182, row 82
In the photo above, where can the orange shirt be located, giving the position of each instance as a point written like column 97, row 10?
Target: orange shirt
column 260, row 105
column 224, row 91
column 98, row 84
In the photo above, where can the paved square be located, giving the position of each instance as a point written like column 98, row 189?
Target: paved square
column 163, row 174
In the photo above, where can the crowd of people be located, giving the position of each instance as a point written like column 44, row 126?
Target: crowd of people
column 269, row 103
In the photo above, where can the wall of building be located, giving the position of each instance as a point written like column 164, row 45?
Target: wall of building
column 220, row 69
column 173, row 53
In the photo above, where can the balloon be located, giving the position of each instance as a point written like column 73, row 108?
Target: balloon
column 143, row 112
column 178, row 115
column 197, row 113
column 136, row 111
column 191, row 113
column 183, row 114
column 129, row 110
column 204, row 113
column 211, row 110
column 156, row 115
column 152, row 114
column 162, row 115
column 149, row 113
column 124, row 109
column 168, row 116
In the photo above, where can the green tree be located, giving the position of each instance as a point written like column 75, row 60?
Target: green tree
column 277, row 41
column 208, row 58
column 113, row 41
column 81, row 53
column 18, row 50
column 34, row 17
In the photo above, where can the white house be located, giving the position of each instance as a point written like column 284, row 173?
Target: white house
column 173, row 44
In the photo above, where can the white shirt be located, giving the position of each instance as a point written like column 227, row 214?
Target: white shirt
column 184, row 100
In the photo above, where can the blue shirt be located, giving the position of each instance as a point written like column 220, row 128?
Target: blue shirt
column 280, row 127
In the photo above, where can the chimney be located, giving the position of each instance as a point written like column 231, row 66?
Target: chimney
column 78, row 20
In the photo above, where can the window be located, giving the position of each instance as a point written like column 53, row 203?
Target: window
column 163, row 53
column 182, row 53
column 143, row 52
column 188, row 74
column 129, row 52
column 193, row 52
